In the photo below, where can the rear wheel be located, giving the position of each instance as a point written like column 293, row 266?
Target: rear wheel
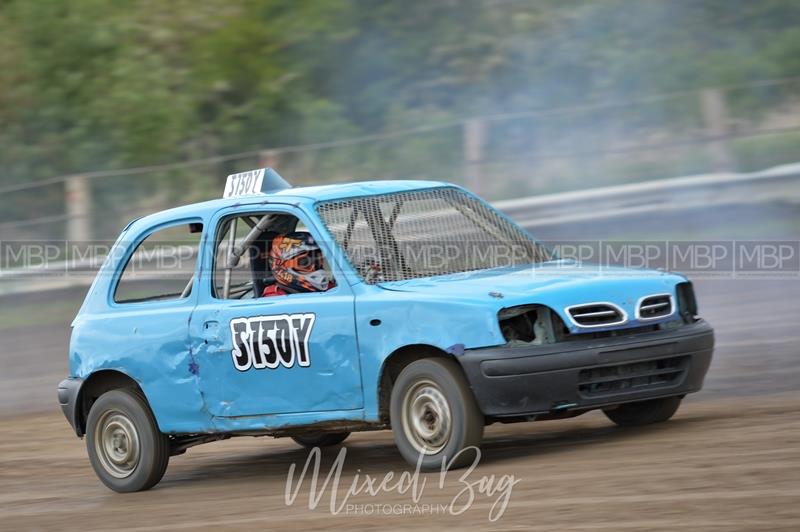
column 434, row 415
column 644, row 412
column 126, row 449
column 320, row 439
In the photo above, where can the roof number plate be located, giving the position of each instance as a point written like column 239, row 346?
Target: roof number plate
column 244, row 184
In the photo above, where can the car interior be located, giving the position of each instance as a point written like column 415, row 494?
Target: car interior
column 242, row 251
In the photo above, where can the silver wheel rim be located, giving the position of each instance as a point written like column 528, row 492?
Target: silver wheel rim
column 116, row 444
column 427, row 420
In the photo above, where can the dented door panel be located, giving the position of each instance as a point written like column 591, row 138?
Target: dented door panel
column 278, row 355
column 261, row 358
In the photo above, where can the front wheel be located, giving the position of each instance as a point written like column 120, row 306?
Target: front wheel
column 434, row 415
column 126, row 449
column 644, row 412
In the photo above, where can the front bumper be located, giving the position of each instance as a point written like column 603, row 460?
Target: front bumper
column 587, row 374
column 68, row 391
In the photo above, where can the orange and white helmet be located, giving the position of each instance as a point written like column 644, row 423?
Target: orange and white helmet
column 296, row 263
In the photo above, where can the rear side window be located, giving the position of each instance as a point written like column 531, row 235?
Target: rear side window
column 162, row 266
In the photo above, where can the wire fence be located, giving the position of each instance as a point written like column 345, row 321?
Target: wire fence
column 738, row 128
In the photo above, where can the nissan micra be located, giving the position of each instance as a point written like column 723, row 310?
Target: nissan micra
column 315, row 312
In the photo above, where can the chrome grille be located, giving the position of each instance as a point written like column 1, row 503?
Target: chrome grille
column 654, row 307
column 596, row 315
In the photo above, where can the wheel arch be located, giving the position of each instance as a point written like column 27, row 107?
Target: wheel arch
column 97, row 384
column 395, row 363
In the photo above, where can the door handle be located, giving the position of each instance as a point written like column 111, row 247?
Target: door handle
column 211, row 329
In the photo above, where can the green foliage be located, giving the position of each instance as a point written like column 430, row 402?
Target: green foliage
column 90, row 84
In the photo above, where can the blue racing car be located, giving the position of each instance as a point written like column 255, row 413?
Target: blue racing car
column 316, row 312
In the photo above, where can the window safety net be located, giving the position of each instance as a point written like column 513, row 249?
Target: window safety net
column 423, row 233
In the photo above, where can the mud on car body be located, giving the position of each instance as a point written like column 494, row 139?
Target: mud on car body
column 442, row 316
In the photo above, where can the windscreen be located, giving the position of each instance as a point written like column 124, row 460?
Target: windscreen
column 423, row 233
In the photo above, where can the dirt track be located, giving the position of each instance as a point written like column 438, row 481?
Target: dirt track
column 729, row 460
column 718, row 465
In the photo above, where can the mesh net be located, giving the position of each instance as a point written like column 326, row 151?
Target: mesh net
column 438, row 231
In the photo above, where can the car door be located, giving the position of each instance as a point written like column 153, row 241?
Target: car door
column 273, row 355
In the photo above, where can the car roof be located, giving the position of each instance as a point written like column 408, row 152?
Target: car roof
column 295, row 195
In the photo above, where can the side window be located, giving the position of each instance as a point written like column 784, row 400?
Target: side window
column 162, row 266
column 241, row 256
column 241, row 273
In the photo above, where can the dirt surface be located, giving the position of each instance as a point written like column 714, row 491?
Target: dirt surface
column 722, row 464
column 729, row 460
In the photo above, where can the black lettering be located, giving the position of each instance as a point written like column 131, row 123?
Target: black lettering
column 271, row 341
column 241, row 357
column 268, row 346
column 302, row 325
column 284, row 341
column 258, row 342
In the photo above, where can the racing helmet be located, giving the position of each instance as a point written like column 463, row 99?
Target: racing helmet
column 296, row 263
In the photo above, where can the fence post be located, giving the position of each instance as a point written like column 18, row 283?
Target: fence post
column 715, row 116
column 474, row 147
column 78, row 197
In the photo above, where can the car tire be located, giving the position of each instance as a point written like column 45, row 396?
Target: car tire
column 127, row 451
column 644, row 412
column 320, row 439
column 434, row 415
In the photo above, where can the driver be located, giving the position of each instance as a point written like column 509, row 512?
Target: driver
column 296, row 263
